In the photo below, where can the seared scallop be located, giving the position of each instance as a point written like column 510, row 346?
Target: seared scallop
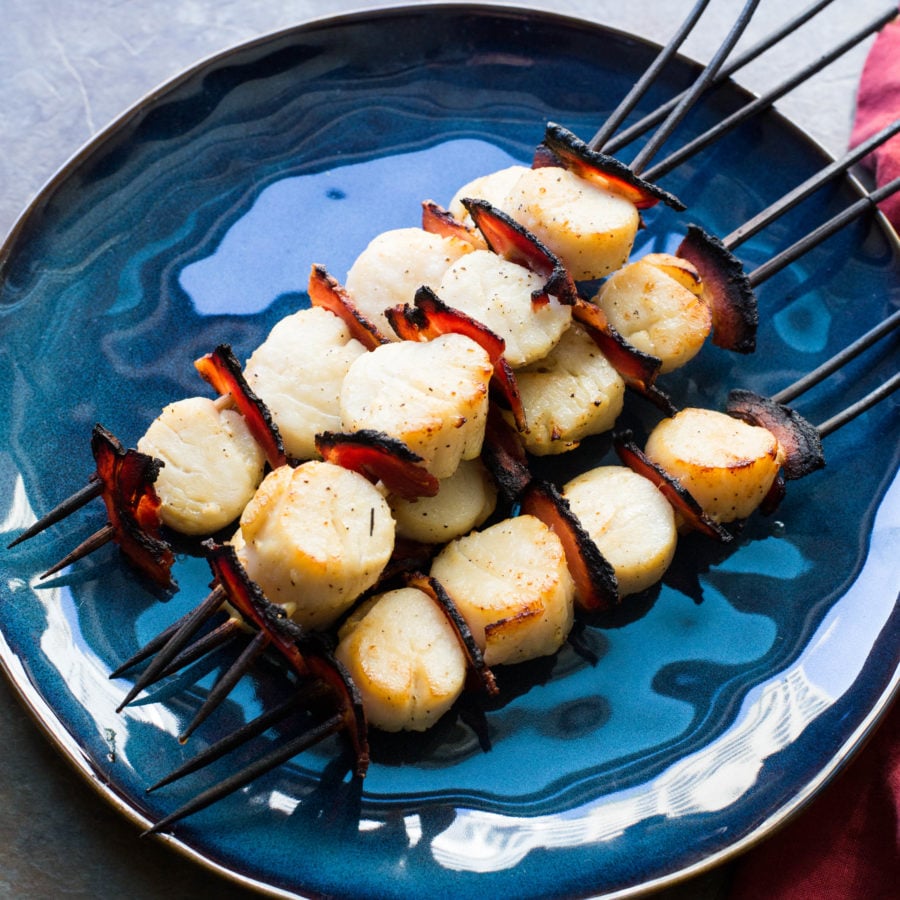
column 394, row 265
column 570, row 394
column 405, row 658
column 511, row 584
column 298, row 372
column 463, row 502
column 314, row 538
column 432, row 396
column 212, row 464
column 727, row 465
column 498, row 294
column 590, row 229
column 654, row 305
column 629, row 520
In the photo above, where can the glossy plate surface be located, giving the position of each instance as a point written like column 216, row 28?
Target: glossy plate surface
column 664, row 737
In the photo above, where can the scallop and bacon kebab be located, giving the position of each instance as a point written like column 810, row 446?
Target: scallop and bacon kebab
column 431, row 590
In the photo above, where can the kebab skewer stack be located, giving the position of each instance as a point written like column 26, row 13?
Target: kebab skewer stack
column 387, row 435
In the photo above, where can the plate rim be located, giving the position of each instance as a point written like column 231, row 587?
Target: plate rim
column 66, row 743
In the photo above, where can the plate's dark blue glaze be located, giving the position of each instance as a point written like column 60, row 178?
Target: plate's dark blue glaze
column 661, row 739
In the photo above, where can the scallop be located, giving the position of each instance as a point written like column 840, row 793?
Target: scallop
column 727, row 465
column 432, row 396
column 511, row 584
column 498, row 294
column 298, row 372
column 212, row 464
column 648, row 303
column 590, row 229
column 314, row 538
column 394, row 265
column 463, row 502
column 572, row 393
column 405, row 658
column 630, row 521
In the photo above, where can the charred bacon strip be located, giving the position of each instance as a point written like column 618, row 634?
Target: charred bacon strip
column 516, row 244
column 132, row 508
column 726, row 288
column 561, row 148
column 504, row 455
column 327, row 293
column 595, row 580
column 222, row 371
column 682, row 501
column 437, row 220
column 430, row 317
column 475, row 657
column 638, row 369
column 379, row 457
column 798, row 438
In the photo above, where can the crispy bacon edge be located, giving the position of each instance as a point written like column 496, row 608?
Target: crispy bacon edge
column 132, row 505
column 638, row 369
column 799, row 439
column 440, row 221
column 672, row 489
column 503, row 453
column 327, row 293
column 303, row 650
column 509, row 239
column 596, row 587
column 438, row 593
column 562, row 149
column 222, row 371
column 379, row 457
column 726, row 288
column 429, row 317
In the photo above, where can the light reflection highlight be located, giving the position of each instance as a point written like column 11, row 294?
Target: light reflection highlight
column 703, row 782
column 86, row 676
column 20, row 514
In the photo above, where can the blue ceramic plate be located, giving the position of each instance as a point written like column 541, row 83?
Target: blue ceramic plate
column 661, row 739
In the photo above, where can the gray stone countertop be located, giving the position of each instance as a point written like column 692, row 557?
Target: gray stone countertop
column 68, row 68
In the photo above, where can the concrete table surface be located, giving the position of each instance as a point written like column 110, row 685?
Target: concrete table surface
column 68, row 68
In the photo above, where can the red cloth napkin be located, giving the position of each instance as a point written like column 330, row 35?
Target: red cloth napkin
column 846, row 844
column 877, row 105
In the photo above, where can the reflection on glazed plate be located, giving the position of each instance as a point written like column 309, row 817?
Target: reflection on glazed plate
column 662, row 738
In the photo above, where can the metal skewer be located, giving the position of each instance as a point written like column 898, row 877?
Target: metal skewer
column 808, row 187
column 825, row 230
column 765, row 100
column 673, row 119
column 839, row 360
column 641, row 127
column 632, row 98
